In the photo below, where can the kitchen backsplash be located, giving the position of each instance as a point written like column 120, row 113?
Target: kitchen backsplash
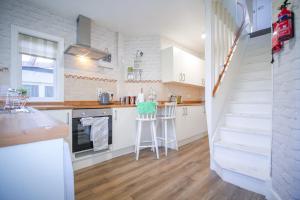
column 75, row 85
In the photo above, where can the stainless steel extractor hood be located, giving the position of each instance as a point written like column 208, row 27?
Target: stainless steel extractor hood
column 83, row 45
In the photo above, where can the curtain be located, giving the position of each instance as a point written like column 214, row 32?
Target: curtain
column 35, row 46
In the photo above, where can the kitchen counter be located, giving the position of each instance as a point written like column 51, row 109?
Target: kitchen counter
column 94, row 104
column 22, row 128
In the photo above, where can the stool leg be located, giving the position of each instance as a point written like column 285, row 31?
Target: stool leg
column 166, row 137
column 155, row 139
column 138, row 139
column 152, row 140
column 174, row 132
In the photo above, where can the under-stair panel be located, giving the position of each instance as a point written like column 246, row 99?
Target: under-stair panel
column 246, row 137
column 245, row 120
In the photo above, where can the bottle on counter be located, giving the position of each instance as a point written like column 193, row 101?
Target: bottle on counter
column 140, row 98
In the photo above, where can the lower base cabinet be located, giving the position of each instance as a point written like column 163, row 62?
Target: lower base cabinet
column 63, row 116
column 124, row 127
column 190, row 121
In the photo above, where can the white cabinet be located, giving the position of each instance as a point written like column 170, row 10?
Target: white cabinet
column 182, row 67
column 64, row 116
column 190, row 121
column 124, row 127
column 35, row 171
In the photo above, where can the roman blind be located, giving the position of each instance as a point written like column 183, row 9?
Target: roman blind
column 35, row 46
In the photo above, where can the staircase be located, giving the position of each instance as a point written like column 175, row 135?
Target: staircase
column 242, row 146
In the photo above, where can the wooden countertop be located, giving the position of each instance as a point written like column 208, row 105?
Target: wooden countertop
column 22, row 128
column 93, row 104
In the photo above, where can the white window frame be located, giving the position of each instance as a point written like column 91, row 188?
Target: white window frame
column 16, row 70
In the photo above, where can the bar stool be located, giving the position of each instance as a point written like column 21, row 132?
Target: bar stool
column 169, row 115
column 146, row 113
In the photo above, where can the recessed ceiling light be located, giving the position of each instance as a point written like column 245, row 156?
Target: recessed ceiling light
column 203, row 35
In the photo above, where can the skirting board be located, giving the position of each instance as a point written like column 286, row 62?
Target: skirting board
column 101, row 157
column 273, row 195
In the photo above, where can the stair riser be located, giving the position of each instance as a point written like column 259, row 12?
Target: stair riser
column 259, row 42
column 253, row 85
column 247, row 139
column 253, row 67
column 255, row 75
column 258, row 51
column 257, row 58
column 241, row 157
column 248, row 122
column 250, row 108
column 246, row 182
column 263, row 96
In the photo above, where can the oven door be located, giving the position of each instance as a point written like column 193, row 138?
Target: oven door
column 81, row 136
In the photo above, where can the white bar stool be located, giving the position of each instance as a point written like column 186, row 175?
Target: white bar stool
column 169, row 115
column 151, row 118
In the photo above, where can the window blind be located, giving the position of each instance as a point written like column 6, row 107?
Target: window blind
column 35, row 46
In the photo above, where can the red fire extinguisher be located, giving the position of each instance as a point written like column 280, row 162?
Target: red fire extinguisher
column 285, row 23
column 283, row 28
column 276, row 44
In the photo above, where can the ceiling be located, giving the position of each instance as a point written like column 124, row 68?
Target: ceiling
column 178, row 20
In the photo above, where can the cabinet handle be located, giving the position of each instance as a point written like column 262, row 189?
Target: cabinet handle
column 183, row 76
column 186, row 111
column 116, row 115
column 68, row 118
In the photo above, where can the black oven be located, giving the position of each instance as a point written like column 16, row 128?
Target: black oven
column 81, row 134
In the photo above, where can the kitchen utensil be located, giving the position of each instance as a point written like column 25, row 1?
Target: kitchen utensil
column 104, row 98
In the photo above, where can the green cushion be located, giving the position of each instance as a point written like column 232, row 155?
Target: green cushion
column 146, row 107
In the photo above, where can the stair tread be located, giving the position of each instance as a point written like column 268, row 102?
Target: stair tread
column 249, row 149
column 252, row 115
column 258, row 173
column 247, row 130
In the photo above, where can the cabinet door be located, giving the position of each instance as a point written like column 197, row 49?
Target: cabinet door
column 178, row 66
column 64, row 116
column 124, row 127
column 181, row 123
column 196, row 119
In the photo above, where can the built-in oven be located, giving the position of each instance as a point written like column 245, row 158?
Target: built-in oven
column 81, row 134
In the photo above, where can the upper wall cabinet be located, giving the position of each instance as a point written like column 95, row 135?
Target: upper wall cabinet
column 181, row 67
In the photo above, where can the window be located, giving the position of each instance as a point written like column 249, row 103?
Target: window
column 32, row 90
column 38, row 67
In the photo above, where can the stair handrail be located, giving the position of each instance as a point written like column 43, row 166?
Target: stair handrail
column 231, row 50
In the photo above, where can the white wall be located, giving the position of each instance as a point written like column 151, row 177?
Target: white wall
column 286, row 114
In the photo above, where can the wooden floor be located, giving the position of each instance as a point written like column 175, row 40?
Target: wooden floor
column 182, row 175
